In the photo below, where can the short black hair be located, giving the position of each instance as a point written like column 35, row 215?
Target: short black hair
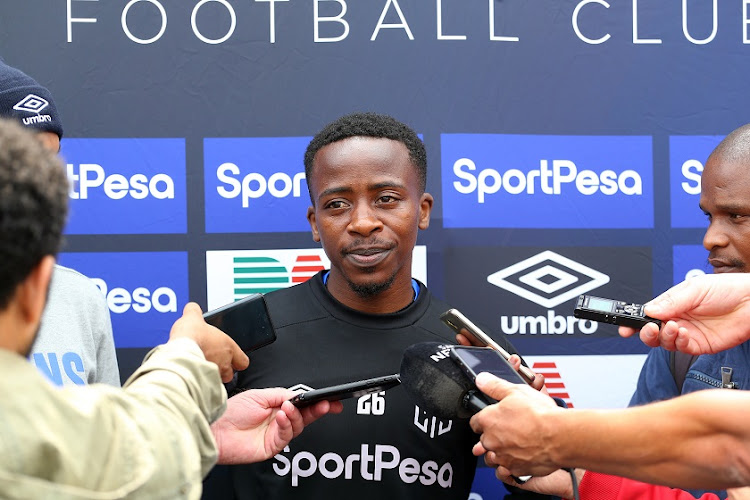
column 369, row 125
column 33, row 205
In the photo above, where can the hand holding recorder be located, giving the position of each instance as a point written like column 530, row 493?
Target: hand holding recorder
column 706, row 314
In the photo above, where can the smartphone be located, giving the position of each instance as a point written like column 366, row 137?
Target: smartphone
column 246, row 321
column 457, row 321
column 345, row 391
column 615, row 312
column 474, row 360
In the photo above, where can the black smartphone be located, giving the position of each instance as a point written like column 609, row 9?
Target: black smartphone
column 473, row 360
column 457, row 321
column 611, row 311
column 345, row 391
column 246, row 321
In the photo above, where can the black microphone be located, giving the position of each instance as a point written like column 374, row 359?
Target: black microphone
column 437, row 384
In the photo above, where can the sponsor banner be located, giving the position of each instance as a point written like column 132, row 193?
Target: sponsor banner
column 233, row 274
column 689, row 261
column 145, row 291
column 540, row 181
column 529, row 293
column 687, row 155
column 126, row 186
column 255, row 184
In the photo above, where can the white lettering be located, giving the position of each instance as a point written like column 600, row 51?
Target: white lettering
column 685, row 28
column 254, row 185
column 339, row 19
column 403, row 24
column 117, row 186
column 637, row 40
column 692, row 170
column 142, row 41
column 272, row 18
column 577, row 30
column 545, row 325
column 384, row 458
column 489, row 181
column 119, row 300
column 232, row 25
column 70, row 19
column 493, row 36
column 440, row 35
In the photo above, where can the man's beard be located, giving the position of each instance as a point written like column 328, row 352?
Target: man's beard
column 368, row 290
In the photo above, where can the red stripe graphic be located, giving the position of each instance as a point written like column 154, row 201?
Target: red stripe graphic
column 553, row 380
column 305, row 268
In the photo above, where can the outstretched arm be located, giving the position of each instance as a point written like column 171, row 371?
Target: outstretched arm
column 694, row 441
column 704, row 314
column 259, row 423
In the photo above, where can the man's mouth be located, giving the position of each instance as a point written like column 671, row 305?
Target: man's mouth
column 726, row 265
column 367, row 256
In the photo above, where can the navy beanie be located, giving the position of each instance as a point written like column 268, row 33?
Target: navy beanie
column 23, row 99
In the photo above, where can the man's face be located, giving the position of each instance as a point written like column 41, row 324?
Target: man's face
column 368, row 208
column 725, row 199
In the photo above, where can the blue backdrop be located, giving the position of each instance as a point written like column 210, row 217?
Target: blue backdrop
column 565, row 143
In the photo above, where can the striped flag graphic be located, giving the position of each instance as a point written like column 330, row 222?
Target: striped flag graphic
column 552, row 380
column 266, row 274
column 305, row 268
column 258, row 275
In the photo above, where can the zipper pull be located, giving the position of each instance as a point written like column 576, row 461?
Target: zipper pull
column 726, row 378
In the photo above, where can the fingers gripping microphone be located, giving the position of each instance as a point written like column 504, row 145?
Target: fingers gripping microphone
column 437, row 384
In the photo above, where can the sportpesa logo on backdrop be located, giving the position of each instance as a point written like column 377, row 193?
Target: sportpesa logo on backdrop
column 145, row 291
column 538, row 181
column 255, row 184
column 233, row 274
column 126, row 186
column 529, row 293
column 687, row 156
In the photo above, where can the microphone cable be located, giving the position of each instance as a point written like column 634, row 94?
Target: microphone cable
column 574, row 480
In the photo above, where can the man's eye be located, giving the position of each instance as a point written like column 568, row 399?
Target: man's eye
column 335, row 204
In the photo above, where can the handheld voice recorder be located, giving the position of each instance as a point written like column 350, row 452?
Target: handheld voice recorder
column 615, row 312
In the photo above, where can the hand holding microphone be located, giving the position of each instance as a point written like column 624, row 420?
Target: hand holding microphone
column 441, row 385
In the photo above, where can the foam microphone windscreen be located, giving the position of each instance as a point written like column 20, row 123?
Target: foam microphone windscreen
column 434, row 381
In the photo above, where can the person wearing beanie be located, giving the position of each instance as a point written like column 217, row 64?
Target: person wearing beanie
column 23, row 99
column 75, row 343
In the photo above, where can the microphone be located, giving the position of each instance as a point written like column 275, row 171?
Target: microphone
column 437, row 384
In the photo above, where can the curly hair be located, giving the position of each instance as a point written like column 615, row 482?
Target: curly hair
column 369, row 125
column 33, row 205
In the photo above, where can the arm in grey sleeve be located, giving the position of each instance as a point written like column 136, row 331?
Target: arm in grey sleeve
column 107, row 370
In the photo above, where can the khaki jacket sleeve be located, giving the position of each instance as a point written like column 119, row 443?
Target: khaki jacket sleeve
column 150, row 440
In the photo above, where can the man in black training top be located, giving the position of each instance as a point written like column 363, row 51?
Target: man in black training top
column 366, row 174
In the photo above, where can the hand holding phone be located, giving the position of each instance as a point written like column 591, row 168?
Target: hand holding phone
column 461, row 324
column 246, row 321
column 344, row 391
column 474, row 360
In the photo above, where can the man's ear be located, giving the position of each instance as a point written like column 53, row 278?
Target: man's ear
column 32, row 291
column 313, row 223
column 425, row 209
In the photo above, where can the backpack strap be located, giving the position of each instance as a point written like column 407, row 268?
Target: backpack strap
column 679, row 365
